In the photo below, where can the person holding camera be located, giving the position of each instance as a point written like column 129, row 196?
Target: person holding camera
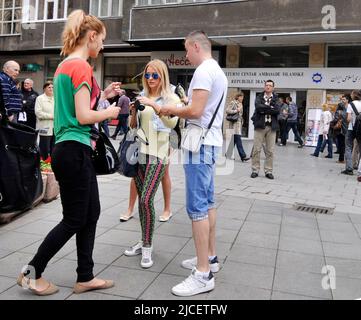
column 234, row 116
column 265, row 126
column 153, row 158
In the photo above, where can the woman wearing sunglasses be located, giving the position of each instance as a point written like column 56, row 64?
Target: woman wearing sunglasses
column 153, row 157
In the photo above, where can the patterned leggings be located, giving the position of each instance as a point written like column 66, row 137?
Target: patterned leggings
column 147, row 182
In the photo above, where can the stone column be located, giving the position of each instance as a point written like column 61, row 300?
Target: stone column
column 232, row 61
column 317, row 59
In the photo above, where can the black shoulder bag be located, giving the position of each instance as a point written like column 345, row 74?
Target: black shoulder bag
column 21, row 184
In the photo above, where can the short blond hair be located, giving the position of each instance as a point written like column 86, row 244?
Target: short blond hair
column 201, row 38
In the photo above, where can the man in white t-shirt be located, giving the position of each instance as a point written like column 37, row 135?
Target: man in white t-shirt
column 207, row 90
column 351, row 117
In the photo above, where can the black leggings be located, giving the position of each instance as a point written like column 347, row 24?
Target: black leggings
column 75, row 173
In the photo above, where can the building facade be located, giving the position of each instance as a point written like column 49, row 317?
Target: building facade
column 311, row 48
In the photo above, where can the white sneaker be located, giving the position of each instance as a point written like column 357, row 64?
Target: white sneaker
column 135, row 250
column 194, row 284
column 192, row 263
column 146, row 261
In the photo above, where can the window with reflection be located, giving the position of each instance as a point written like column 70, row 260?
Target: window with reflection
column 273, row 57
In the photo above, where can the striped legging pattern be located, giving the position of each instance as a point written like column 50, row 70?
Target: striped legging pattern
column 147, row 181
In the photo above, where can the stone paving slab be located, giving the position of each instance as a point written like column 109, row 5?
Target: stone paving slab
column 304, row 283
column 277, row 295
column 253, row 255
column 257, row 240
column 131, row 283
column 102, row 253
column 161, row 260
column 95, row 296
column 266, row 248
column 6, row 283
column 16, row 240
column 18, row 293
column 228, row 291
column 252, row 275
column 294, row 231
column 299, row 262
column 345, row 268
column 347, row 289
column 300, row 245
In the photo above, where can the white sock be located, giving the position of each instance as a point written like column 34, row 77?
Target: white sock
column 210, row 258
column 204, row 275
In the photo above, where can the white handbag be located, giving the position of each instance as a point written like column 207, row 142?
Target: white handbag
column 193, row 137
column 194, row 134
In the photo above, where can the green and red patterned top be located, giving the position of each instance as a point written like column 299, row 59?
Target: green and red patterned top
column 69, row 78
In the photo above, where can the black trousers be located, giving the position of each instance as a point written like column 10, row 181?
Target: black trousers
column 341, row 139
column 122, row 124
column 46, row 145
column 236, row 140
column 75, row 173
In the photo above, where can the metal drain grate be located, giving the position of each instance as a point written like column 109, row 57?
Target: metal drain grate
column 313, row 209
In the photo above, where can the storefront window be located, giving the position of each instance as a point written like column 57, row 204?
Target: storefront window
column 271, row 57
column 344, row 56
column 127, row 70
column 51, row 65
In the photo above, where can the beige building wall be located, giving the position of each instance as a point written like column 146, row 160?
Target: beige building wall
column 232, row 61
column 317, row 59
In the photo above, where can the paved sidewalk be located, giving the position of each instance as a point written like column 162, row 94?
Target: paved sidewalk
column 268, row 249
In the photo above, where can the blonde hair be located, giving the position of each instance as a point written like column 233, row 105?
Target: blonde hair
column 325, row 107
column 76, row 28
column 161, row 68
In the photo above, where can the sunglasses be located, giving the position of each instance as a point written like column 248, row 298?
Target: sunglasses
column 154, row 75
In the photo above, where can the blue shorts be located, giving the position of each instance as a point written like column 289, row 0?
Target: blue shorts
column 199, row 171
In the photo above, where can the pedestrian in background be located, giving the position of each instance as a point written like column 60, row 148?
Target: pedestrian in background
column 292, row 121
column 354, row 105
column 9, row 89
column 236, row 108
column 44, row 111
column 27, row 116
column 265, row 120
column 323, row 131
column 123, row 104
column 282, row 121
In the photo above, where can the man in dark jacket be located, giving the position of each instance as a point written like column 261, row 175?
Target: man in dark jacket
column 265, row 124
column 11, row 97
column 28, row 98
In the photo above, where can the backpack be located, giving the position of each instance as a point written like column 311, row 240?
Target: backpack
column 357, row 124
